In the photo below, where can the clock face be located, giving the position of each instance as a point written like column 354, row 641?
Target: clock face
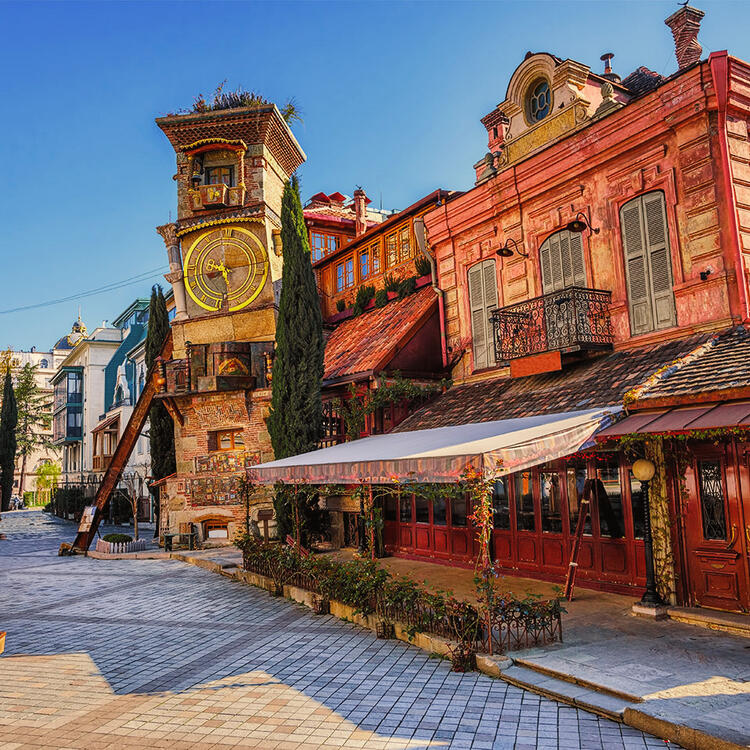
column 228, row 262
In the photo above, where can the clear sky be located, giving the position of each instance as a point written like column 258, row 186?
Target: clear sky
column 391, row 94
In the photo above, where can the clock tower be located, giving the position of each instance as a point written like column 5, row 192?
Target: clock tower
column 225, row 265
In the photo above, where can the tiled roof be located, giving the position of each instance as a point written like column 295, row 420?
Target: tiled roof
column 722, row 363
column 589, row 384
column 369, row 341
column 642, row 80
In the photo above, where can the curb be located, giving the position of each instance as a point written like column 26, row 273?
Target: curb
column 689, row 738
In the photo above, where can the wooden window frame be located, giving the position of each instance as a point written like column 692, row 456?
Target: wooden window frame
column 209, row 170
column 215, row 437
column 364, row 254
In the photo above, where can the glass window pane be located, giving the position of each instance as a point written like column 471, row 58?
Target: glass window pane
column 375, row 255
column 608, row 497
column 636, row 500
column 391, row 251
column 458, row 511
column 711, row 488
column 239, row 440
column 524, row 502
column 576, row 479
column 501, row 504
column 422, row 505
column 439, row 512
column 364, row 264
column 225, row 441
column 551, row 501
column 391, row 510
column 340, row 277
column 406, row 509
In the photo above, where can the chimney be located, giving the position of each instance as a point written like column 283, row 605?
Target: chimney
column 360, row 212
column 608, row 74
column 685, row 24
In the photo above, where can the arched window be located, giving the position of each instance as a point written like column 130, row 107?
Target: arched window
column 648, row 266
column 44, row 364
column 561, row 259
column 482, row 299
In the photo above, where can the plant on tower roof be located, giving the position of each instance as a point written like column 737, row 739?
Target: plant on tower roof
column 239, row 98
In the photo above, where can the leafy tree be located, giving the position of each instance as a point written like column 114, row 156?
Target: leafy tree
column 47, row 477
column 34, row 417
column 161, row 429
column 295, row 420
column 8, row 422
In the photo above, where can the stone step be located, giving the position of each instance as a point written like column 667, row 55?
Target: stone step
column 729, row 622
column 598, row 702
column 557, row 675
column 230, row 571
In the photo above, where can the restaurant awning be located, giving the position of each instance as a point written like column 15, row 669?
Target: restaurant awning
column 441, row 454
column 681, row 420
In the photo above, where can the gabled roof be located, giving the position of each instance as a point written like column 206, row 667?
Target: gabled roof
column 370, row 341
column 589, row 384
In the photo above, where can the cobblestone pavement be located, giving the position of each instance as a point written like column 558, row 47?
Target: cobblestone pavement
column 158, row 654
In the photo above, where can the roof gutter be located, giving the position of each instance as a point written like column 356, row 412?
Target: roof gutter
column 719, row 65
column 419, row 233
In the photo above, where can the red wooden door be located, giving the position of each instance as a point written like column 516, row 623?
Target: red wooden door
column 714, row 531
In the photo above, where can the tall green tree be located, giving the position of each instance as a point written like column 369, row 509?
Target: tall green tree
column 295, row 420
column 8, row 423
column 161, row 429
column 34, row 417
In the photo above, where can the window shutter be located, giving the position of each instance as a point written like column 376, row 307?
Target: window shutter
column 545, row 260
column 558, row 280
column 576, row 259
column 566, row 264
column 478, row 327
column 660, row 266
column 489, row 278
column 636, row 272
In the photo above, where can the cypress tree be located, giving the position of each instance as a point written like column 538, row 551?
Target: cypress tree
column 8, row 424
column 161, row 430
column 295, row 420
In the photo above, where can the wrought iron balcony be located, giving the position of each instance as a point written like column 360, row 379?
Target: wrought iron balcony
column 573, row 319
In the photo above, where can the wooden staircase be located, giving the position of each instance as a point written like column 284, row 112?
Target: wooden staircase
column 121, row 455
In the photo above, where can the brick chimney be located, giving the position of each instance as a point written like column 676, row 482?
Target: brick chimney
column 360, row 212
column 685, row 24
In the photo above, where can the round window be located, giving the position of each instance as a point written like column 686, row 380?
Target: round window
column 538, row 100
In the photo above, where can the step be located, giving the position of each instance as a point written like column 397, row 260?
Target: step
column 582, row 682
column 728, row 622
column 599, row 702
column 230, row 571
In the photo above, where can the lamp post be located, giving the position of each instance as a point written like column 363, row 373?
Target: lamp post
column 643, row 471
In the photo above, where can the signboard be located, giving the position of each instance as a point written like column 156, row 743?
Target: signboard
column 87, row 518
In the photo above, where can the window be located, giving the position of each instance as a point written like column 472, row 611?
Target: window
column 375, row 258
column 44, row 364
column 345, row 274
column 501, row 504
column 482, row 299
column 391, row 250
column 219, row 176
column 405, row 509
column 422, row 507
column 458, row 511
column 364, row 263
column 711, row 488
column 322, row 244
column 550, row 495
column 439, row 517
column 524, row 501
column 638, row 507
column 561, row 261
column 404, row 243
column 648, row 267
column 538, row 101
column 226, row 440
column 576, row 480
column 390, row 510
column 608, row 497
column 75, row 387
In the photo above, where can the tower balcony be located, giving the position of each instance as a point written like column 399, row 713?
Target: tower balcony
column 571, row 320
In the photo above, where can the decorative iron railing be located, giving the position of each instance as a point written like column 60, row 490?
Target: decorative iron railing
column 570, row 319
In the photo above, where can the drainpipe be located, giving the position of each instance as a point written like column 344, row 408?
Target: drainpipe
column 719, row 64
column 419, row 233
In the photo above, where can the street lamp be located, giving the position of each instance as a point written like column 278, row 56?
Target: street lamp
column 643, row 471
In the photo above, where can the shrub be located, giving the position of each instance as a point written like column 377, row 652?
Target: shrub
column 390, row 283
column 422, row 265
column 407, row 287
column 117, row 538
column 341, row 305
column 364, row 295
column 381, row 298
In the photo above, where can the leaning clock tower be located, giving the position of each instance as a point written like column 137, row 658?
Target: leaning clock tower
column 225, row 264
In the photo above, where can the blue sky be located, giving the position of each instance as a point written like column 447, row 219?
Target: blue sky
column 391, row 93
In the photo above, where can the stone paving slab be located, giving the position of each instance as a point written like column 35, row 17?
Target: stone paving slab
column 157, row 654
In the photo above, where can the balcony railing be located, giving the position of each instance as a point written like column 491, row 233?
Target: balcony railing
column 101, row 462
column 573, row 319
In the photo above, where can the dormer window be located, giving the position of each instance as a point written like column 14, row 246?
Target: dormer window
column 219, row 176
column 538, row 100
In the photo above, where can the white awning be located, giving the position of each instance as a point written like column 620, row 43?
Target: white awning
column 441, row 454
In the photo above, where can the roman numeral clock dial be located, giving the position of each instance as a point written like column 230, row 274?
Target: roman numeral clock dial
column 226, row 263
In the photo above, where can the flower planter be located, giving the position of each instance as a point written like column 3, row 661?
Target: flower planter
column 385, row 630
column 321, row 605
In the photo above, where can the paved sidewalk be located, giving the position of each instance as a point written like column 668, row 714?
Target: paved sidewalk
column 158, row 654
